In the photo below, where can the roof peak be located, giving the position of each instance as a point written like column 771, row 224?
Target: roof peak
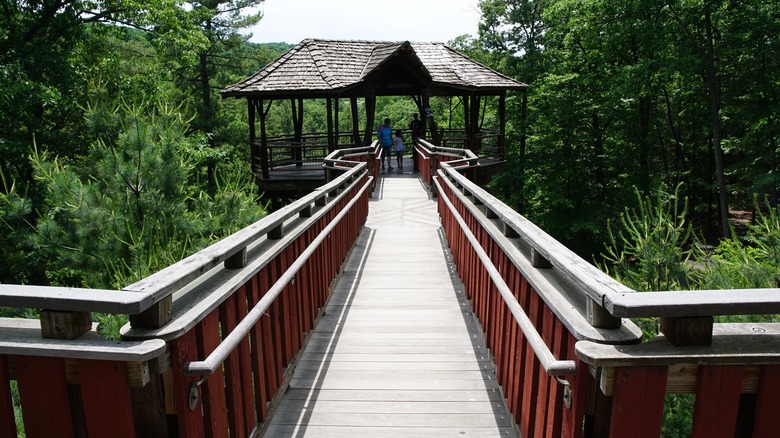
column 326, row 67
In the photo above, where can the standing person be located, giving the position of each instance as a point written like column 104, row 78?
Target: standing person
column 385, row 136
column 416, row 127
column 398, row 141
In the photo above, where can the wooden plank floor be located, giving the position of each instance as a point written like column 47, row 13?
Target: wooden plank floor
column 397, row 353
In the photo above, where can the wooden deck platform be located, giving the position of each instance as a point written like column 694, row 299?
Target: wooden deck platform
column 397, row 353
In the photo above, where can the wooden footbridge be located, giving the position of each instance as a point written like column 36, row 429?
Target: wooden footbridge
column 405, row 304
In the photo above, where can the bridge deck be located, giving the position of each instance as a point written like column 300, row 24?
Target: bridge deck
column 397, row 352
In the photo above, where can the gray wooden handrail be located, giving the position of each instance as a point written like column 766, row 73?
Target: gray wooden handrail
column 551, row 365
column 142, row 295
column 74, row 299
column 617, row 299
column 172, row 278
column 692, row 303
column 214, row 360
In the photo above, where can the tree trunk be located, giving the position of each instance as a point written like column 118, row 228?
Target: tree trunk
column 712, row 90
column 644, row 144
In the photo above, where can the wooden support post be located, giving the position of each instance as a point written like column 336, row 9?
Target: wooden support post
column 355, row 128
column 688, row 331
column 370, row 107
column 600, row 317
column 501, row 125
column 254, row 150
column 148, row 405
column 237, row 260
column 64, row 324
column 510, row 232
column 276, row 233
column 332, row 142
column 264, row 163
column 428, row 118
column 539, row 261
column 474, row 143
column 154, row 317
column 337, row 129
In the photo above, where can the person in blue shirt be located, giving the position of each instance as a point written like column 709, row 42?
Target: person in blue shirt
column 385, row 136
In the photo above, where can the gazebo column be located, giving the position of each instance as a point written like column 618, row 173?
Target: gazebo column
column 355, row 127
column 370, row 116
column 264, row 138
column 418, row 100
column 472, row 116
column 336, row 111
column 428, row 116
column 297, row 116
column 254, row 150
column 331, row 137
column 501, row 125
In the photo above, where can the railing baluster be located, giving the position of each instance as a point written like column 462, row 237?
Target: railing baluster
column 213, row 389
column 43, row 392
column 638, row 392
column 186, row 394
column 259, row 364
column 7, row 420
column 106, row 398
column 717, row 401
column 766, row 420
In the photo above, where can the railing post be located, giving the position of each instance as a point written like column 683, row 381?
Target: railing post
column 64, row 324
column 154, row 317
column 600, row 317
column 237, row 260
column 695, row 331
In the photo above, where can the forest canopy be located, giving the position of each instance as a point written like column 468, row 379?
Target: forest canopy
column 627, row 99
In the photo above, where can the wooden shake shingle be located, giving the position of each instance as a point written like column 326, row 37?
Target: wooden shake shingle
column 321, row 68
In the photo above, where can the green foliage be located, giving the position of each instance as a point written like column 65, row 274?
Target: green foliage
column 653, row 246
column 17, row 408
column 618, row 98
column 678, row 415
column 749, row 261
column 15, row 212
column 134, row 208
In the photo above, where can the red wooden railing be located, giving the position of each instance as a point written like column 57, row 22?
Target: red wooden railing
column 429, row 158
column 616, row 386
column 210, row 346
column 213, row 339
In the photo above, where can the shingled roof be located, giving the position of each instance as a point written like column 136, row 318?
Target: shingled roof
column 331, row 67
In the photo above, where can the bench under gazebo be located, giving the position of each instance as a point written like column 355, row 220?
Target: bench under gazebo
column 360, row 71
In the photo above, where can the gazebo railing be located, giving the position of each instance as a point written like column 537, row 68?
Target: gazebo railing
column 289, row 154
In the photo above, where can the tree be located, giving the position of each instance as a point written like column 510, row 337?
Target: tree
column 224, row 59
column 43, row 77
column 133, row 207
column 512, row 31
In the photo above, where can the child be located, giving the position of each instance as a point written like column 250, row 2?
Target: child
column 398, row 143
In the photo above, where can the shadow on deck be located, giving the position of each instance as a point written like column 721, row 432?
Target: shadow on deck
column 397, row 352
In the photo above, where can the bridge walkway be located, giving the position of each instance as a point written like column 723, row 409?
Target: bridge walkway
column 397, row 352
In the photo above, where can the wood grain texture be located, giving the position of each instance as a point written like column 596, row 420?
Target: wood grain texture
column 23, row 337
column 397, row 352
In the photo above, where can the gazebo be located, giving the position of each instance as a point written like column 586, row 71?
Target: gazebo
column 360, row 71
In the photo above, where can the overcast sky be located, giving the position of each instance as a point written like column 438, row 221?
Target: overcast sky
column 290, row 21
